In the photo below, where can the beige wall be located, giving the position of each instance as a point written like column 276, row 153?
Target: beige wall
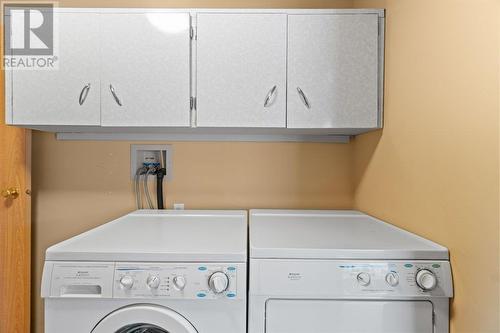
column 434, row 169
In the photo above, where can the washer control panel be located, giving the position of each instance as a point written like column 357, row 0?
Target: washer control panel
column 197, row 281
column 177, row 281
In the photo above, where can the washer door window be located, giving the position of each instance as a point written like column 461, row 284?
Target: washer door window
column 141, row 328
column 144, row 318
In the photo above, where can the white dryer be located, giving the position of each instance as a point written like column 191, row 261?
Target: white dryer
column 150, row 271
column 344, row 272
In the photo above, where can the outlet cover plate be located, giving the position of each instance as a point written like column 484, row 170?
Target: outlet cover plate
column 138, row 152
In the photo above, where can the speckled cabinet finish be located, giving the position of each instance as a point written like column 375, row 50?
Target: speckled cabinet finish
column 333, row 59
column 51, row 97
column 145, row 57
column 232, row 74
column 240, row 58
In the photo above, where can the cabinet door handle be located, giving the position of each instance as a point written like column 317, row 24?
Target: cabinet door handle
column 269, row 97
column 83, row 94
column 303, row 98
column 117, row 100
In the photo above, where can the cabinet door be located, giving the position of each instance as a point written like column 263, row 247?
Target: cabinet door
column 52, row 97
column 241, row 70
column 145, row 69
column 333, row 71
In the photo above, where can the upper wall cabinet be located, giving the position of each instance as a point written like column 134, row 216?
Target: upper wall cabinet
column 115, row 69
column 241, row 70
column 68, row 95
column 266, row 73
column 145, row 69
column 333, row 71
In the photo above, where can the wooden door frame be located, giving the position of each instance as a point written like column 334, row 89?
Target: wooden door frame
column 15, row 245
column 15, row 223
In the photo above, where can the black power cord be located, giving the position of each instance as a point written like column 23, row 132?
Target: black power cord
column 160, row 174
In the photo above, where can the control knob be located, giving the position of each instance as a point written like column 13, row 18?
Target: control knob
column 363, row 279
column 426, row 279
column 392, row 279
column 218, row 282
column 127, row 282
column 153, row 281
column 179, row 282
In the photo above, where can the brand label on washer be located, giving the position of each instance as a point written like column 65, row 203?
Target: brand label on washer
column 82, row 279
column 294, row 276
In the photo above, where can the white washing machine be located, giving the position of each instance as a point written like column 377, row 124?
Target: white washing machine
column 150, row 272
column 344, row 272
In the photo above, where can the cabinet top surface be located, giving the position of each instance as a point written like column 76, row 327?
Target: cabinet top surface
column 292, row 11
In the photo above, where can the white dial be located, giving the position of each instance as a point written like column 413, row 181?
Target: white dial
column 426, row 279
column 153, row 281
column 218, row 282
column 363, row 279
column 392, row 279
column 179, row 282
column 127, row 281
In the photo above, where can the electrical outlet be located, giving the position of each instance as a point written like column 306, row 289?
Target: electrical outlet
column 151, row 155
column 178, row 206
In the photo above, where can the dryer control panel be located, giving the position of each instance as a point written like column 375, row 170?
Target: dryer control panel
column 196, row 281
column 339, row 278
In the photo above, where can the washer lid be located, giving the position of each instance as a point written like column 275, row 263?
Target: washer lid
column 295, row 234
column 161, row 235
column 144, row 318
